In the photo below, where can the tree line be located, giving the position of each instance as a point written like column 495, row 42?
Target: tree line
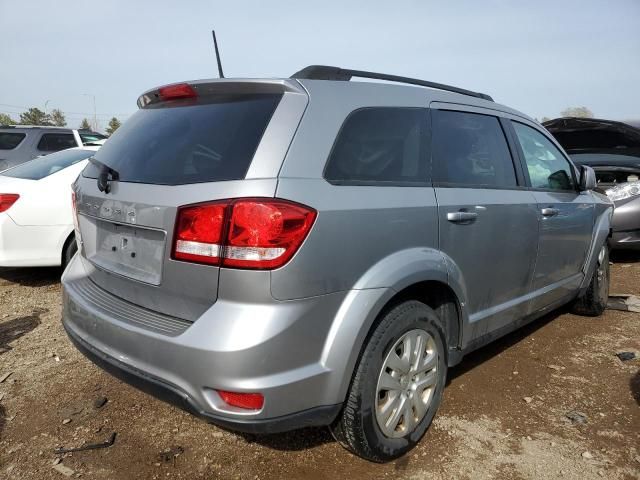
column 56, row 118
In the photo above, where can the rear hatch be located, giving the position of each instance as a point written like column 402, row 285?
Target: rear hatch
column 187, row 144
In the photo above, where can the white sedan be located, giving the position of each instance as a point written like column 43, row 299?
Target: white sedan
column 36, row 219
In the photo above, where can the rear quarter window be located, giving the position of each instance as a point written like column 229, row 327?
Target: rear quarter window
column 181, row 143
column 10, row 140
column 380, row 145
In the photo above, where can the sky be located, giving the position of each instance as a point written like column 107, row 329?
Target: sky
column 536, row 56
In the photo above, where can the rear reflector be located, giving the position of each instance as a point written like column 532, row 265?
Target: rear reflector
column 176, row 91
column 249, row 401
column 253, row 233
column 6, row 200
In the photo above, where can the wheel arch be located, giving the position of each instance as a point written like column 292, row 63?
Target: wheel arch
column 601, row 233
column 419, row 274
column 70, row 237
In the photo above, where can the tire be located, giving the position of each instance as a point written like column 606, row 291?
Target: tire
column 594, row 300
column 69, row 250
column 365, row 425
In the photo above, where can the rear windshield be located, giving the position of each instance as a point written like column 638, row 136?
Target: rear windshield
column 48, row 165
column 177, row 144
column 10, row 140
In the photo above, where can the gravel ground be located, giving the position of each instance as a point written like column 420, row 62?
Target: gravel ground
column 504, row 414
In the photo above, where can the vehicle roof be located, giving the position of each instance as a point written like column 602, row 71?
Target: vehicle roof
column 31, row 127
column 373, row 88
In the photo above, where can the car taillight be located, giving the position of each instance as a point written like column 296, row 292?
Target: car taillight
column 252, row 233
column 6, row 200
column 176, row 91
column 198, row 236
column 249, row 401
column 74, row 211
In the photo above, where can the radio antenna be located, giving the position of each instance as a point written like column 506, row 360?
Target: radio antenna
column 215, row 44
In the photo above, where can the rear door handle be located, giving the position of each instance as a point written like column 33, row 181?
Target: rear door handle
column 462, row 217
column 549, row 212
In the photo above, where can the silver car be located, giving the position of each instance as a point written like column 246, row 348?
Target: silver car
column 21, row 143
column 276, row 254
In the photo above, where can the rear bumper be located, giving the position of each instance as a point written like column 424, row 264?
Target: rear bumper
column 274, row 349
column 31, row 246
column 162, row 390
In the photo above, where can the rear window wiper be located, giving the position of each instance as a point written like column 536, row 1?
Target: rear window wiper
column 103, row 177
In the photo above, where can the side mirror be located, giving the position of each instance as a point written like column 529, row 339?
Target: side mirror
column 587, row 178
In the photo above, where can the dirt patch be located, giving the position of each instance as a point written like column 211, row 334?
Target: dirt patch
column 485, row 428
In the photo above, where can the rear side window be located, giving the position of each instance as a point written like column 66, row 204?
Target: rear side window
column 380, row 145
column 10, row 140
column 41, row 167
column 470, row 149
column 181, row 143
column 548, row 169
column 54, row 142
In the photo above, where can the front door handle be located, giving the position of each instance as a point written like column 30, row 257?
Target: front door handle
column 462, row 217
column 549, row 212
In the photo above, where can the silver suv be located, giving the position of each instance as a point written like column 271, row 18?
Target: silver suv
column 21, row 143
column 276, row 254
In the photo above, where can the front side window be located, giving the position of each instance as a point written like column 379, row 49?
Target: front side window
column 548, row 168
column 380, row 145
column 470, row 149
column 54, row 142
column 10, row 140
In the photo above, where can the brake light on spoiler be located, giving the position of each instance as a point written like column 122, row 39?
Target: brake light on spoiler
column 250, row 233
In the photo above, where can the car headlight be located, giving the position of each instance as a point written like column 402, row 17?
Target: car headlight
column 625, row 190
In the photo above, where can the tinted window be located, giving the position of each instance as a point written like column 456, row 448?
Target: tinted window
column 10, row 140
column 547, row 167
column 53, row 142
column 380, row 145
column 470, row 149
column 182, row 143
column 48, row 165
column 91, row 137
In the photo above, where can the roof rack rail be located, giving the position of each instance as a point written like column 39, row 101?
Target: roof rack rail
column 324, row 72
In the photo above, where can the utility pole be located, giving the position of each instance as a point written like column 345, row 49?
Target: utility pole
column 95, row 116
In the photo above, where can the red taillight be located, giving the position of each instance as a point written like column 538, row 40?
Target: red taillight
column 74, row 208
column 6, row 200
column 176, row 91
column 250, row 233
column 249, row 401
column 265, row 234
column 199, row 230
